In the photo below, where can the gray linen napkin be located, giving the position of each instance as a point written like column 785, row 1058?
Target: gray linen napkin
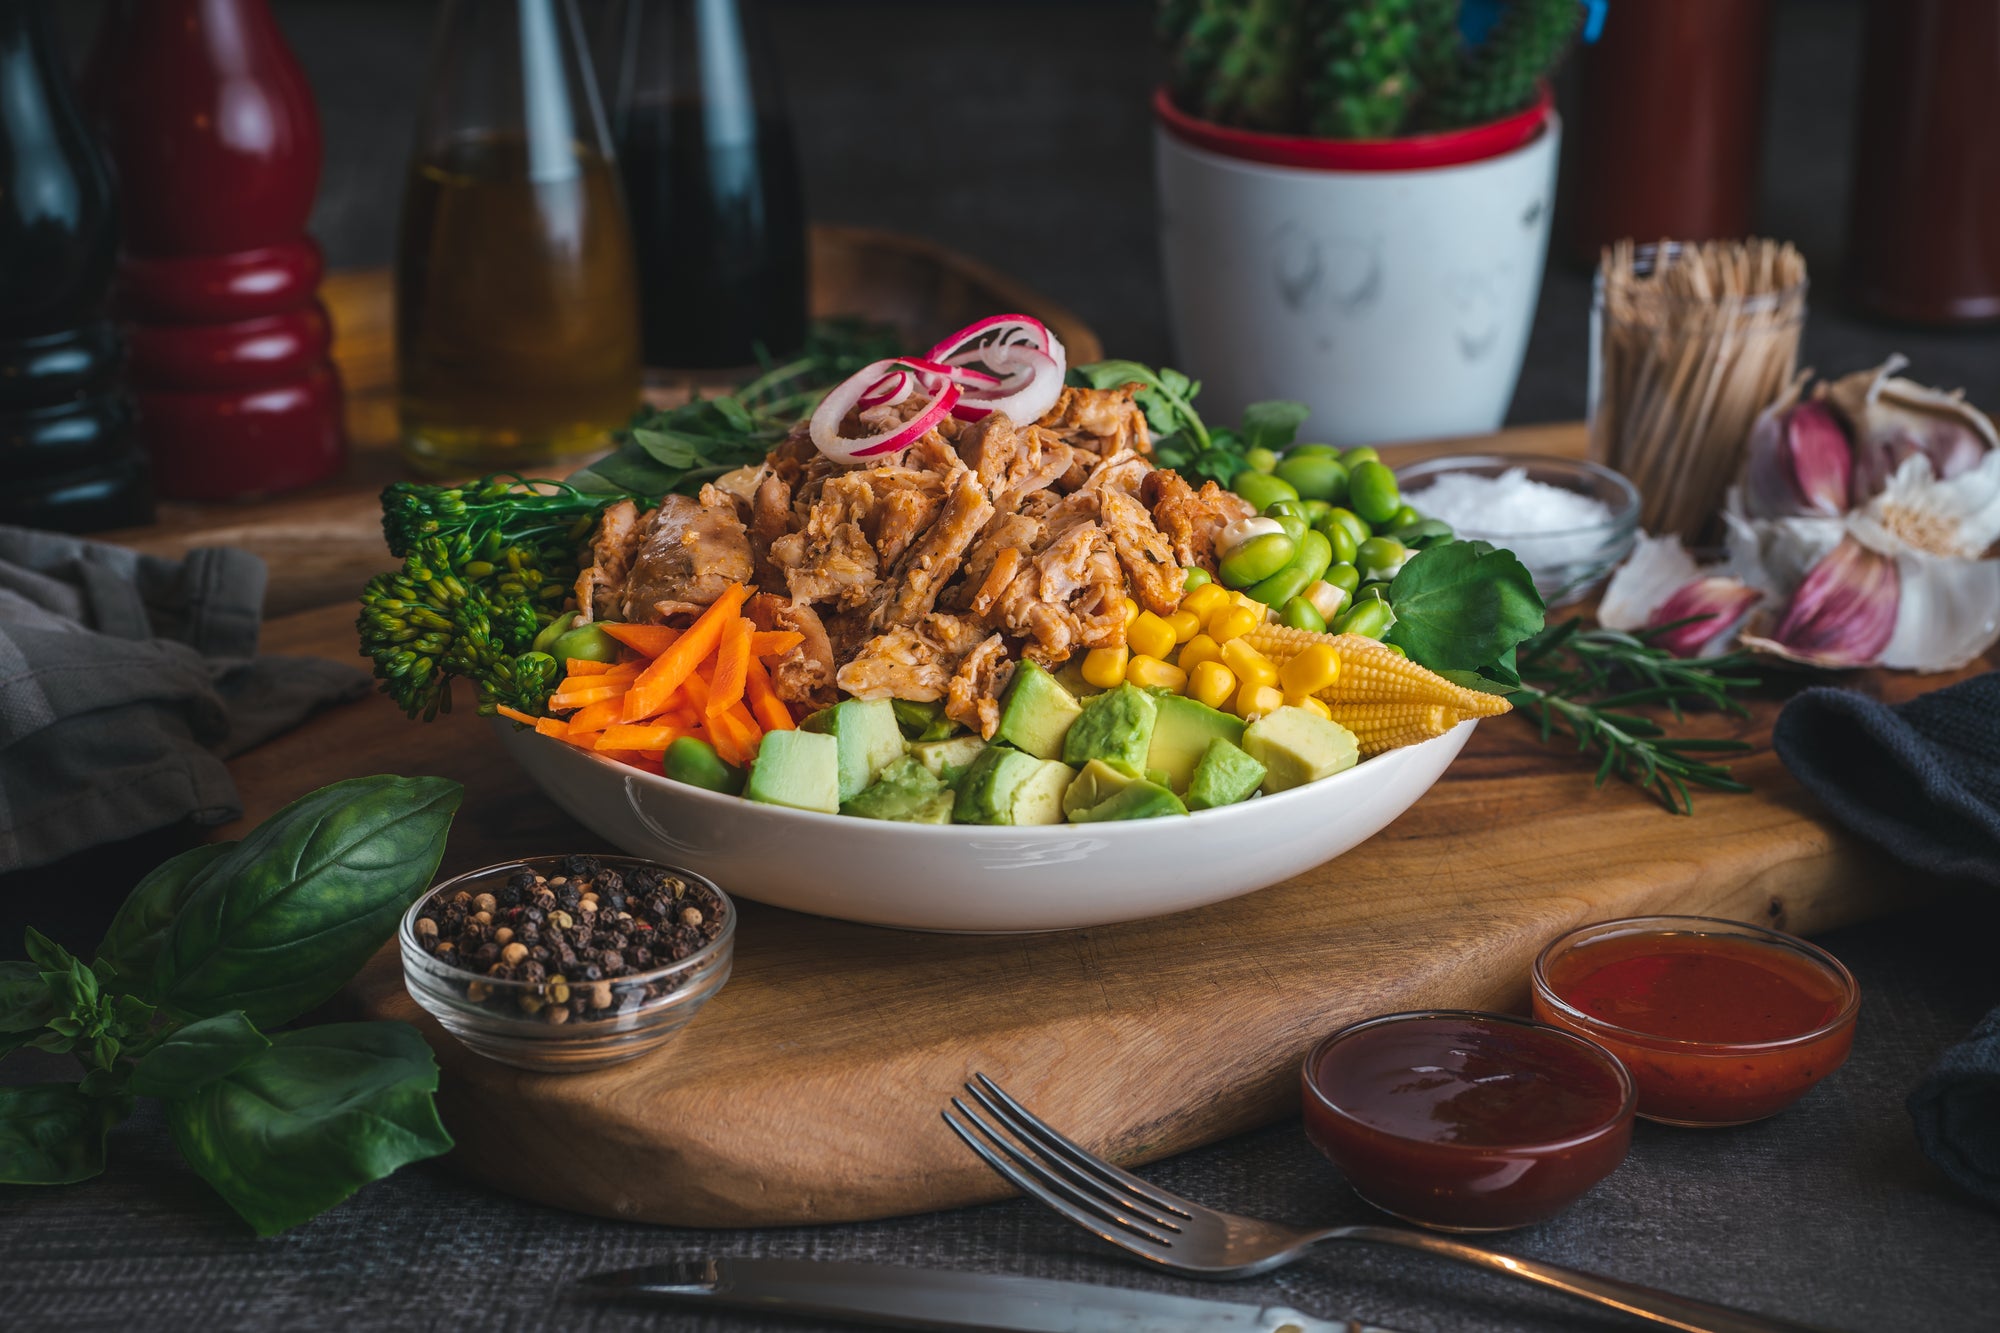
column 125, row 681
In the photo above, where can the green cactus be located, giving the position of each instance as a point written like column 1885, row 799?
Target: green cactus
column 1363, row 76
column 1500, row 77
column 1439, row 45
column 1255, row 80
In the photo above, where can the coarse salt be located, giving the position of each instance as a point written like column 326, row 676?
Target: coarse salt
column 1509, row 505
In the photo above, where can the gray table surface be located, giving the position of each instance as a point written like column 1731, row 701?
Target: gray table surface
column 1826, row 1213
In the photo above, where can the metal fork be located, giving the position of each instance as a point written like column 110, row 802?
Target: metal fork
column 1185, row 1237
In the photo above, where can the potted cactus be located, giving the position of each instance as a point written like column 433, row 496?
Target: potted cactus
column 1355, row 203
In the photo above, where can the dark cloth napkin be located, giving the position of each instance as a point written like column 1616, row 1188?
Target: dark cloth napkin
column 125, row 681
column 1922, row 781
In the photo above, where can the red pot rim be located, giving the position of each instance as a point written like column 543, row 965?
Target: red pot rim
column 1449, row 148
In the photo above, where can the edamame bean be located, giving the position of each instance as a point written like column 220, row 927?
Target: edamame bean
column 555, row 629
column 1314, row 476
column 1363, row 454
column 1301, row 614
column 1372, row 492
column 1369, row 618
column 1193, row 577
column 1342, row 541
column 1278, row 508
column 1373, row 592
column 1356, row 527
column 1317, row 510
column 1295, row 527
column 1343, row 576
column 1381, row 558
column 1262, row 490
column 1257, row 559
column 1404, row 517
column 1262, row 460
column 587, row 642
column 1315, row 553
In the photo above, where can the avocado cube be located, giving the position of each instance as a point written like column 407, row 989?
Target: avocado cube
column 905, row 788
column 936, row 810
column 800, row 769
column 1037, row 713
column 948, row 759
column 1224, row 776
column 869, row 739
column 1137, row 800
column 1181, row 734
column 1297, row 746
column 1097, row 782
column 1116, row 725
column 1008, row 787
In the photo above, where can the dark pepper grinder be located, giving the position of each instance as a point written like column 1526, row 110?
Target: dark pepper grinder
column 69, row 457
column 216, row 138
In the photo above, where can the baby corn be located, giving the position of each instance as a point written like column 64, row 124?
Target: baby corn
column 1369, row 673
column 1378, row 727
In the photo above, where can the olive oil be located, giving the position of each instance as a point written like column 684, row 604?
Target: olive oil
column 517, row 321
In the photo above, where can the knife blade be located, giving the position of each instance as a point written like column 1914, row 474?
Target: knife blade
column 940, row 1298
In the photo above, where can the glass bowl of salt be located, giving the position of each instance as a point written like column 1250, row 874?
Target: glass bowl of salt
column 1570, row 521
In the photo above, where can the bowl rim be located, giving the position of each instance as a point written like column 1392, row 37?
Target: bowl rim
column 1688, row 924
column 1627, row 1108
column 1024, row 832
column 1624, row 513
column 693, row 964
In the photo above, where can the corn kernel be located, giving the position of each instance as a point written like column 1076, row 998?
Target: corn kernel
column 1231, row 623
column 1151, row 673
column 1251, row 667
column 1253, row 701
column 1186, row 624
column 1308, row 701
column 1250, row 604
column 1310, row 670
column 1204, row 599
column 1150, row 635
column 1131, row 612
column 1212, row 683
column 1199, row 649
column 1105, row 667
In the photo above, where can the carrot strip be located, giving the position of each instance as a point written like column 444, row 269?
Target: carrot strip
column 525, row 719
column 652, row 640
column 636, row 737
column 597, row 716
column 727, row 735
column 659, row 681
column 694, row 694
column 582, row 740
column 551, row 726
column 583, row 666
column 732, row 665
column 769, row 709
column 622, row 674
column 745, row 723
column 584, row 698
column 772, row 642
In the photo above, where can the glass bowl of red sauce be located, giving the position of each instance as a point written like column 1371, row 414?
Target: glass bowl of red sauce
column 1720, row 1022
column 1465, row 1121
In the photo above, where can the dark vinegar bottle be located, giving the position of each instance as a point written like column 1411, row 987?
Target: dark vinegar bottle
column 69, row 456
column 711, row 182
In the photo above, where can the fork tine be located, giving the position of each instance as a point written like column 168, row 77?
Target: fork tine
column 1030, row 1178
column 1034, row 1131
column 1108, row 1190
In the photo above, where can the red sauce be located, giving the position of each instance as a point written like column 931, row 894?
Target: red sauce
column 1718, row 1023
column 1466, row 1121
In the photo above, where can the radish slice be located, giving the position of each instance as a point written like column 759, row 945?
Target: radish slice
column 846, row 396
column 1026, row 359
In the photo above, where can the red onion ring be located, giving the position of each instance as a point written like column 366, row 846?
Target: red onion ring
column 844, row 397
column 1029, row 356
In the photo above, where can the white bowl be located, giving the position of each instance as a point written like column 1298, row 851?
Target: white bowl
column 967, row 878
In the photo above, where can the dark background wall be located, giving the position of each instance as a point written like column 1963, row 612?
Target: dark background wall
column 1019, row 133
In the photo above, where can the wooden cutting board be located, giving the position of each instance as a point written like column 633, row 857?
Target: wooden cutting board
column 809, row 1089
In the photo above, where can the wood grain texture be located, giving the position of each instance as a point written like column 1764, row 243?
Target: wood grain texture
column 322, row 543
column 809, row 1089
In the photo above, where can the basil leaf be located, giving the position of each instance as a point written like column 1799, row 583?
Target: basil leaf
column 1273, row 425
column 197, row 1055
column 132, row 945
column 297, row 907
column 299, row 1127
column 53, row 1134
column 1462, row 606
column 25, row 1003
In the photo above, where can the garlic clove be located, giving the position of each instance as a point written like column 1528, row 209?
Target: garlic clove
column 1894, row 419
column 1958, row 517
column 1656, row 567
column 1949, row 613
column 1844, row 613
column 1800, row 463
column 1705, row 614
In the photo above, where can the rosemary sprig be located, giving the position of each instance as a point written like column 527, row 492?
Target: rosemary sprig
column 1583, row 681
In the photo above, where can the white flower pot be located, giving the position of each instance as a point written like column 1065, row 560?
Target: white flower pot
column 1394, row 301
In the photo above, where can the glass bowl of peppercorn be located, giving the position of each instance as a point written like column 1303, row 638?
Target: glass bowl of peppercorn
column 567, row 963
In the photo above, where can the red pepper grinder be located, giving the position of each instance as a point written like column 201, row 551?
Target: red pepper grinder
column 217, row 142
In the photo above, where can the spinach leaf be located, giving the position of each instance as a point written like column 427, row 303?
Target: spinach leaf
column 299, row 1127
column 294, row 910
column 25, row 1003
column 132, row 945
column 1463, row 606
column 197, row 1055
column 53, row 1134
column 1272, row 425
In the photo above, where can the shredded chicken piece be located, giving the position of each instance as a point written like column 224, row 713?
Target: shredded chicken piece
column 896, row 664
column 804, row 675
column 770, row 519
column 920, row 576
column 972, row 696
column 1192, row 520
column 831, row 558
column 690, row 552
column 1099, row 421
column 612, row 547
column 1146, row 555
